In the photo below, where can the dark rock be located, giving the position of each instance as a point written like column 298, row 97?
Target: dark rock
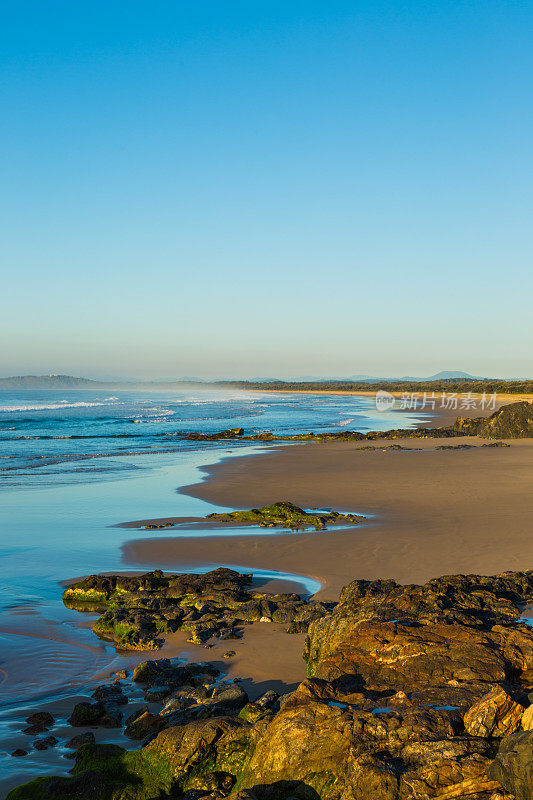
column 513, row 766
column 42, row 718
column 45, row 743
column 110, row 693
column 19, row 753
column 155, row 693
column 137, row 612
column 81, row 738
column 144, row 725
column 106, row 715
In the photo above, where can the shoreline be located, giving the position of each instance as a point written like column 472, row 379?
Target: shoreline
column 432, row 512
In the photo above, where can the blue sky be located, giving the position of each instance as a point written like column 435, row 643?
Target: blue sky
column 241, row 189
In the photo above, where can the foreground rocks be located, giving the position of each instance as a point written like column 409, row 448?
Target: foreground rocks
column 413, row 693
column 139, row 611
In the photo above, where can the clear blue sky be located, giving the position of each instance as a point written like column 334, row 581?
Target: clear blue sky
column 282, row 188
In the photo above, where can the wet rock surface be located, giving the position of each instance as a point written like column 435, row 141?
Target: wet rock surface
column 413, row 693
column 139, row 611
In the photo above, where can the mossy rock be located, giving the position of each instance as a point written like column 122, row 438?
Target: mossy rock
column 164, row 767
column 285, row 515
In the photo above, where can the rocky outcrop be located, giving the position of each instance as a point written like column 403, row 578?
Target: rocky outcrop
column 513, row 421
column 139, row 611
column 414, row 693
column 284, row 514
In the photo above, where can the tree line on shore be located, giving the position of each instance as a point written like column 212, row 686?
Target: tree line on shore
column 489, row 386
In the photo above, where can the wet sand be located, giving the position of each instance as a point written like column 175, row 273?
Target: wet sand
column 433, row 512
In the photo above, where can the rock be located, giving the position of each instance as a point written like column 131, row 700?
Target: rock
column 32, row 730
column 122, row 673
column 110, row 693
column 495, row 714
column 513, row 421
column 224, row 699
column 231, row 433
column 45, row 743
column 148, row 671
column 106, row 715
column 42, row 719
column 19, row 753
column 81, row 738
column 409, row 689
column 527, row 719
column 40, row 722
column 513, row 765
column 286, row 515
column 144, row 724
column 138, row 612
column 155, row 693
column 268, row 699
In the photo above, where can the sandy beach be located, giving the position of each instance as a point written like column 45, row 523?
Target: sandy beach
column 430, row 512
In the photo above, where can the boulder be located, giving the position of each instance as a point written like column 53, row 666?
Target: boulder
column 494, row 714
column 513, row 421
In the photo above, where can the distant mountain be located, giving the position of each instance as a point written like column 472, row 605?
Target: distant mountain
column 48, row 382
column 448, row 375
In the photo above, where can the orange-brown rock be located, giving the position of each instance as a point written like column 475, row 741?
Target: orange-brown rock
column 495, row 714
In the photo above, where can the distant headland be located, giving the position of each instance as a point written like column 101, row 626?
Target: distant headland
column 449, row 381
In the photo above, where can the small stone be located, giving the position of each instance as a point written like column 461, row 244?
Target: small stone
column 229, row 654
column 18, row 753
column 122, row 673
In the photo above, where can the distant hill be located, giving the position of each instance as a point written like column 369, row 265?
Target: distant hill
column 445, row 375
column 48, row 382
column 450, row 375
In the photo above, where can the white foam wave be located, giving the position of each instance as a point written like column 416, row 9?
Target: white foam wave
column 48, row 406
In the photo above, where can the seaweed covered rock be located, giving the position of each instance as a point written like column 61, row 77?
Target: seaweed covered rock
column 286, row 515
column 138, row 612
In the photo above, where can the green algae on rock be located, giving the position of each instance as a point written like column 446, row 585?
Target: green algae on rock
column 287, row 515
column 137, row 612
